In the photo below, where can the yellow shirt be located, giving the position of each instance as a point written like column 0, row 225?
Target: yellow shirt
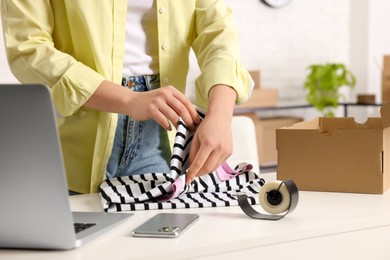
column 72, row 46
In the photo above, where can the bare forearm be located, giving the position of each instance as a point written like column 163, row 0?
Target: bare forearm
column 164, row 105
column 110, row 97
column 212, row 142
column 222, row 100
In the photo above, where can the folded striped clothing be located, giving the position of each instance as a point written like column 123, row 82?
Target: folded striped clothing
column 169, row 191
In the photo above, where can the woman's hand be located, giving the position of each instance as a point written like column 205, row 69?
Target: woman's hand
column 212, row 143
column 165, row 105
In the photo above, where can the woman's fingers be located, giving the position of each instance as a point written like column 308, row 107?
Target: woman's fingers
column 203, row 164
column 204, row 158
column 189, row 114
column 166, row 105
column 198, row 164
column 211, row 145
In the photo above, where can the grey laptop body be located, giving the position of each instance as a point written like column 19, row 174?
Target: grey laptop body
column 34, row 204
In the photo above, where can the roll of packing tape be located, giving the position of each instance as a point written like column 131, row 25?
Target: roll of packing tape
column 274, row 197
column 277, row 198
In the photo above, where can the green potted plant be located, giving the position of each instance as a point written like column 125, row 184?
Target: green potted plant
column 323, row 84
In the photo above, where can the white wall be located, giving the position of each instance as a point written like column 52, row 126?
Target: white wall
column 281, row 43
column 359, row 43
column 5, row 73
column 370, row 41
column 379, row 42
column 291, row 38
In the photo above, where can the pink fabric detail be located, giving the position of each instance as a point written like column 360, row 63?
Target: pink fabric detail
column 177, row 188
column 242, row 167
column 224, row 172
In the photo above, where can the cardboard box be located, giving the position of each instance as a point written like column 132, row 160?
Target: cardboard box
column 255, row 74
column 386, row 79
column 366, row 98
column 385, row 86
column 337, row 154
column 266, row 136
column 386, row 63
column 261, row 97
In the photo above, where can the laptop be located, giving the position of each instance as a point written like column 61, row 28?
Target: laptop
column 35, row 211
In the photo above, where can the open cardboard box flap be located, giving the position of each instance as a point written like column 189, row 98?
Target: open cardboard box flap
column 385, row 113
column 336, row 154
column 327, row 125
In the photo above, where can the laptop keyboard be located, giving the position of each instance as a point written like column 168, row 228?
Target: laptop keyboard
column 78, row 227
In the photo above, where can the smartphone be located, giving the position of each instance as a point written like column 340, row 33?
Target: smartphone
column 166, row 225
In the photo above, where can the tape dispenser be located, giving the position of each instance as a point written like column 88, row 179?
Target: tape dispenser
column 278, row 198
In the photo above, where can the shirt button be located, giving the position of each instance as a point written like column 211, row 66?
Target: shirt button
column 165, row 80
column 161, row 10
column 164, row 46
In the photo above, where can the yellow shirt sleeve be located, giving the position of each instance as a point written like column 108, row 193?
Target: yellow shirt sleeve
column 217, row 50
column 29, row 29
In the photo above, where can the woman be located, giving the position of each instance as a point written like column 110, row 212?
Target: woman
column 117, row 70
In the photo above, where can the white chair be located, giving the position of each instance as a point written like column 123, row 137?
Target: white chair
column 244, row 143
column 245, row 146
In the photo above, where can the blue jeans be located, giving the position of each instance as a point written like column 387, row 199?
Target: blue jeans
column 139, row 146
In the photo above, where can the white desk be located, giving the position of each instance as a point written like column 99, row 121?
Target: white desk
column 323, row 226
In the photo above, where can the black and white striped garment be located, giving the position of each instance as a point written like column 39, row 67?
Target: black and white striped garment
column 168, row 190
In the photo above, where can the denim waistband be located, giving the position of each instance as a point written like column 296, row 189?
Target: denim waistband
column 141, row 82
